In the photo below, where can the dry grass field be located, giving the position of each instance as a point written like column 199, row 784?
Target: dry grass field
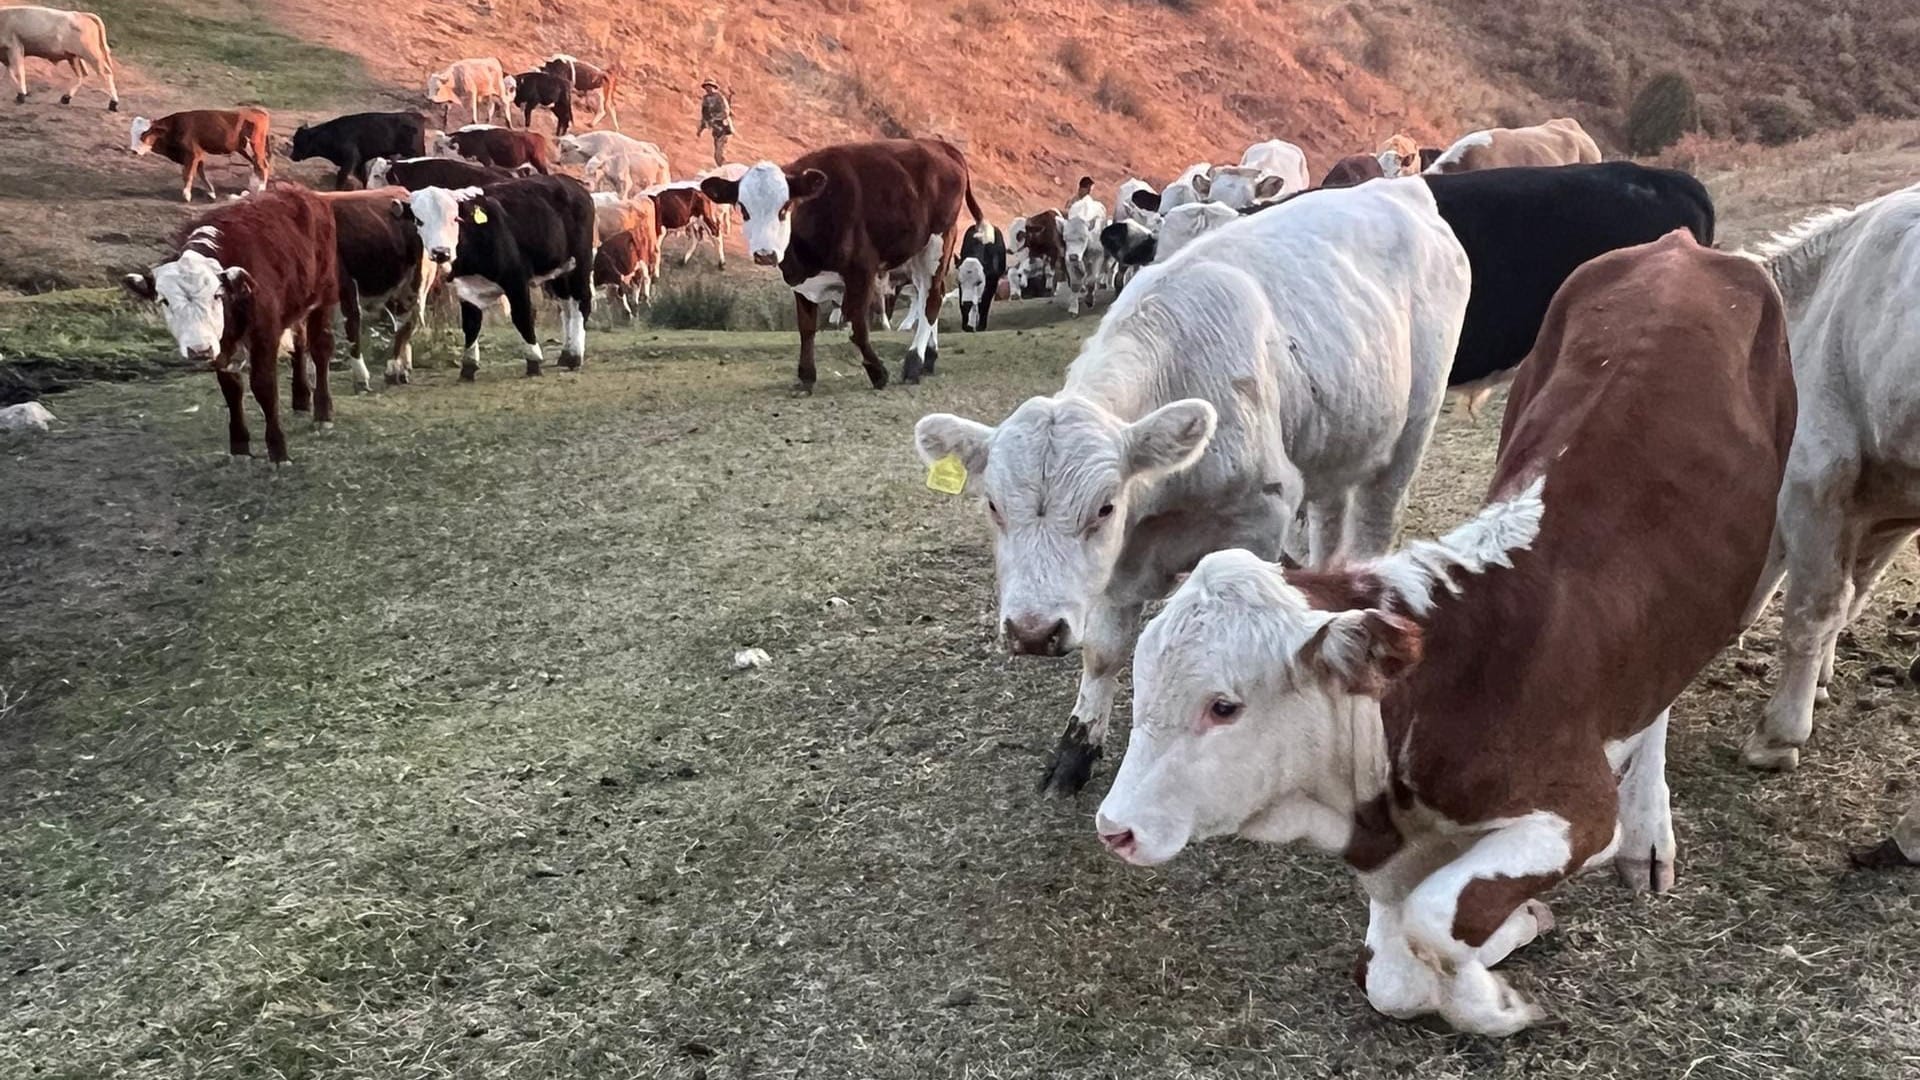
column 426, row 757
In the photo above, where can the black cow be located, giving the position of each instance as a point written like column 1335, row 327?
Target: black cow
column 989, row 245
column 1526, row 229
column 1130, row 245
column 350, row 142
column 504, row 240
column 423, row 172
column 537, row 89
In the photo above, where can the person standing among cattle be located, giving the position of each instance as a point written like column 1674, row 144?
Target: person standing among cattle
column 716, row 115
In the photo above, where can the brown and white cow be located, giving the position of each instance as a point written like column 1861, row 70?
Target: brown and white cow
column 1472, row 720
column 594, row 84
column 1556, row 142
column 835, row 218
column 505, row 148
column 472, row 81
column 381, row 263
column 241, row 277
column 612, row 214
column 623, row 268
column 1044, row 238
column 77, row 39
column 186, row 138
column 685, row 209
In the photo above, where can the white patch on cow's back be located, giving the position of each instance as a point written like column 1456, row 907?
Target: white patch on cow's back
column 206, row 238
column 1423, row 567
column 1459, row 149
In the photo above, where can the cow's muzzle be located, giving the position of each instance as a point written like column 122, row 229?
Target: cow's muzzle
column 441, row 255
column 1037, row 636
column 765, row 258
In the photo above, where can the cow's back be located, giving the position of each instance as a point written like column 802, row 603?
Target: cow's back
column 891, row 195
column 1659, row 405
column 1527, row 229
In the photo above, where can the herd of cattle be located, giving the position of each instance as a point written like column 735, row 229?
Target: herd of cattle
column 1468, row 720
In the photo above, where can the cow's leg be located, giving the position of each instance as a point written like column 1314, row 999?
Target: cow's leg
column 79, row 69
column 401, row 362
column 854, row 298
column 1452, row 919
column 113, row 92
column 1820, row 546
column 187, row 169
column 471, row 316
column 17, row 68
column 1769, row 583
column 302, row 372
column 920, row 270
column 239, row 443
column 263, row 359
column 1327, row 527
column 1104, row 648
column 573, row 334
column 1376, row 504
column 351, row 314
column 1900, row 849
column 520, row 307
column 319, row 337
column 1646, row 857
column 1400, row 985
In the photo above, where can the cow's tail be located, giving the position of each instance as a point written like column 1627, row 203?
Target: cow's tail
column 973, row 205
column 106, row 50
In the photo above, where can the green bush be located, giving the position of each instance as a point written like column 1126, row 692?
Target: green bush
column 695, row 303
column 1773, row 119
column 1664, row 110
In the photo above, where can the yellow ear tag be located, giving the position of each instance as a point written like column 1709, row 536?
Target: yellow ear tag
column 479, row 216
column 947, row 476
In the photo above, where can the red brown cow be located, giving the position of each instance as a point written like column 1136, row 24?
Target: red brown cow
column 380, row 262
column 186, row 138
column 685, row 209
column 835, row 218
column 243, row 276
column 502, row 147
column 1046, row 244
column 1471, row 721
column 588, row 81
column 1353, row 169
column 623, row 267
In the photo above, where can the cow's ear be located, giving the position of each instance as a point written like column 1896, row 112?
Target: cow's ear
column 940, row 434
column 1170, row 437
column 400, row 209
column 1147, row 200
column 806, row 185
column 1364, row 651
column 1201, row 185
column 1269, row 186
column 141, row 286
column 721, row 190
column 238, row 281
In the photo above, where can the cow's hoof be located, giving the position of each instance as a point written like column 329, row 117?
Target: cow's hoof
column 406, row 378
column 19, row 99
column 362, row 387
column 800, row 389
column 1645, row 875
column 114, row 105
column 1762, row 752
column 533, row 369
column 570, row 363
column 1887, row 856
column 323, row 425
column 1072, row 762
column 392, row 379
column 910, row 369
column 468, row 371
column 66, row 99
column 303, row 406
column 1822, row 696
column 933, row 357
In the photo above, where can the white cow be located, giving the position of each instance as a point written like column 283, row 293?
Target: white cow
column 1184, row 224
column 1086, row 259
column 1224, row 390
column 1267, row 170
column 1852, row 491
column 1125, row 209
column 472, row 81
column 583, row 146
column 77, row 39
column 626, row 171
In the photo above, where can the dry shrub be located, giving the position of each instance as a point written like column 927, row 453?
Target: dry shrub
column 1116, row 94
column 1774, row 119
column 1076, row 59
column 979, row 13
column 1664, row 110
column 875, row 100
column 1384, row 51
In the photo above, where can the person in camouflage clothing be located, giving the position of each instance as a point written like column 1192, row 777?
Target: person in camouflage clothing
column 716, row 114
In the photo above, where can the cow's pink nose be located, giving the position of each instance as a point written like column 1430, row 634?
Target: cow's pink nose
column 1120, row 843
column 1037, row 635
column 766, row 258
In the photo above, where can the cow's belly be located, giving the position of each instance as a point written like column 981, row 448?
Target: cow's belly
column 476, row 290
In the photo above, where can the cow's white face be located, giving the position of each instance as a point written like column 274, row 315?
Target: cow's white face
column 1189, row 223
column 439, row 89
column 1177, row 194
column 766, row 196
column 972, row 277
column 436, row 213
column 193, row 292
column 1058, row 477
column 140, row 143
column 1244, row 697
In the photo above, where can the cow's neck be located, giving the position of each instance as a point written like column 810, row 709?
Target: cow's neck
column 1113, row 381
column 1344, row 809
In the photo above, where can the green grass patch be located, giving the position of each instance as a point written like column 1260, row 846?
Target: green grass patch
column 54, row 341
column 241, row 58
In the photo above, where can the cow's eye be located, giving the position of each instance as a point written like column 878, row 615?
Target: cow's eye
column 1224, row 710
column 993, row 510
column 1106, row 510
column 744, row 216
column 784, row 211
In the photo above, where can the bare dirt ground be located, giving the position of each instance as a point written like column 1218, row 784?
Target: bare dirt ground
column 425, row 757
